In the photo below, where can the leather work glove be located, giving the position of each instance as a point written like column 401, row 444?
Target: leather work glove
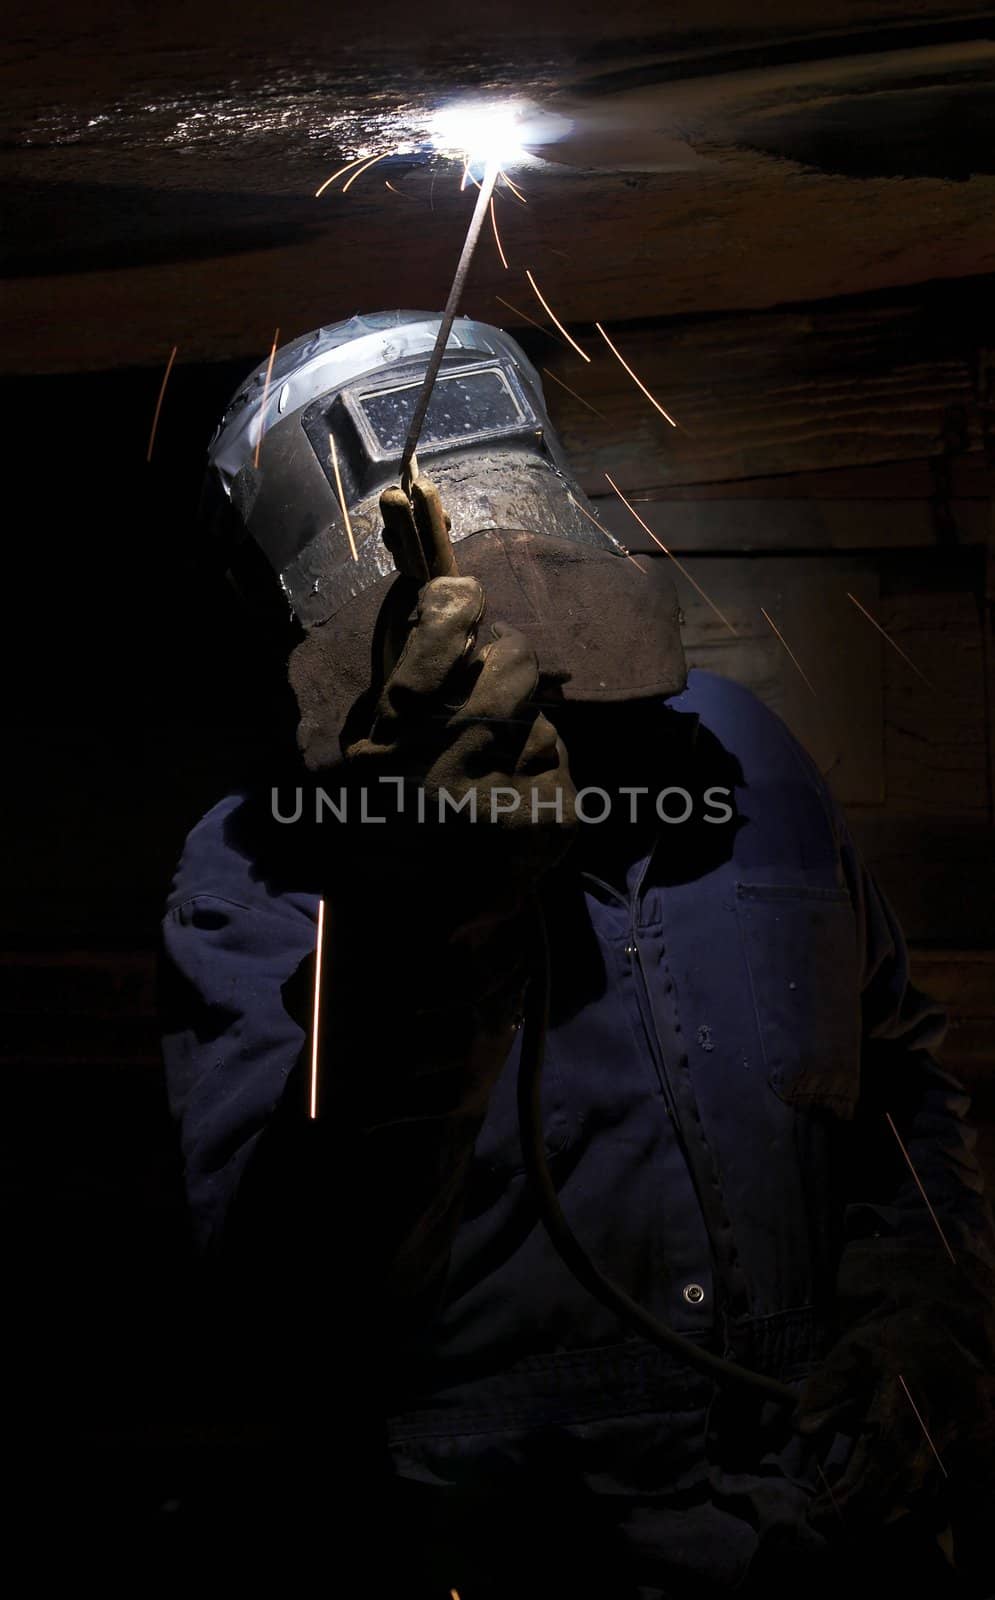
column 473, row 787
column 470, row 777
column 921, row 1343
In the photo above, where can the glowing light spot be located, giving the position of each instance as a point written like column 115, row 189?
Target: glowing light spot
column 479, row 132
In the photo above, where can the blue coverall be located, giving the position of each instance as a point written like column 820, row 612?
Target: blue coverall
column 718, row 1031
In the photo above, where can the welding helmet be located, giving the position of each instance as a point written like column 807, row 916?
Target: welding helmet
column 325, row 423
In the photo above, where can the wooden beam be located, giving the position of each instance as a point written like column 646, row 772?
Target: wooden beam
column 850, row 385
column 742, row 525
column 938, row 873
column 839, row 719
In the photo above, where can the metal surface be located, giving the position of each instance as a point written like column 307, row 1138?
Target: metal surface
column 159, row 167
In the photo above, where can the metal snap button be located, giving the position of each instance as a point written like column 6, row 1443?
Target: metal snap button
column 694, row 1294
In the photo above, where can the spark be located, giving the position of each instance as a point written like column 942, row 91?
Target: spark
column 923, row 1426
column 318, row 951
column 576, row 396
column 467, row 174
column 791, row 653
column 829, row 1491
column 345, row 508
column 559, row 324
column 372, row 162
column 525, row 316
column 497, row 237
column 584, row 512
column 390, row 186
column 556, row 252
column 158, row 404
column 516, row 191
column 673, row 558
column 919, row 1186
column 632, row 375
column 891, row 641
column 341, row 172
column 262, row 408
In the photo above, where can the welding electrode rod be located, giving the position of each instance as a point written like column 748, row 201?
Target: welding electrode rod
column 449, row 315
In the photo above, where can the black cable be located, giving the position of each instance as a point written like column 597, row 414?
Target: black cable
column 534, row 1028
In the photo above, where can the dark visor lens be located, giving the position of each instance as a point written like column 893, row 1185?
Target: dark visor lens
column 464, row 406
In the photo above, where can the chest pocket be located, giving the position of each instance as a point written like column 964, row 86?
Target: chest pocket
column 801, row 951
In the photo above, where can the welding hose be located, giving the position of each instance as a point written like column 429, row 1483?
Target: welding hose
column 534, row 1027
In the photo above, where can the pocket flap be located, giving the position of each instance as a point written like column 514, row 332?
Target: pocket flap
column 801, row 949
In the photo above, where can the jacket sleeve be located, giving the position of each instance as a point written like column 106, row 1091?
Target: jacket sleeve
column 417, row 1022
column 228, row 1043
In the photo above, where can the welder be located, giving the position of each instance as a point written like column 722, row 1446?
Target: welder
column 491, row 769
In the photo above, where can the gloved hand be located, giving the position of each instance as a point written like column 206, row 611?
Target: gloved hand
column 453, row 735
column 470, row 776
column 918, row 1319
column 426, row 956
